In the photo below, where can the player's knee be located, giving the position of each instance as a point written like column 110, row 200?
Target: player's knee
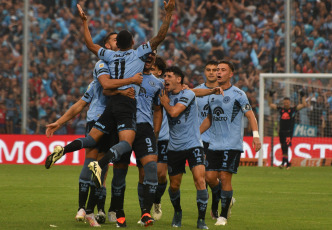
column 150, row 171
column 162, row 178
column 119, row 177
column 122, row 147
column 200, row 183
column 174, row 185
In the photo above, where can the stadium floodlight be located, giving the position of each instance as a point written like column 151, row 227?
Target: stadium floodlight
column 317, row 83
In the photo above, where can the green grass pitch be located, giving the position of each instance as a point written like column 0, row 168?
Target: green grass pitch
column 32, row 197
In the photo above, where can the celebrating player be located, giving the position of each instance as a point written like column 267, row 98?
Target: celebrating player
column 226, row 140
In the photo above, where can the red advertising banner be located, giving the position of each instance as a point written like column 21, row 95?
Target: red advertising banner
column 33, row 149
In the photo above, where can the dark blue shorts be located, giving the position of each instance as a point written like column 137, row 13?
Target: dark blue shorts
column 177, row 160
column 223, row 160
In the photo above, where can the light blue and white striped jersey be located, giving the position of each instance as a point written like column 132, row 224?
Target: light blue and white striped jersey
column 164, row 130
column 184, row 130
column 125, row 64
column 147, row 97
column 94, row 94
column 203, row 110
column 227, row 113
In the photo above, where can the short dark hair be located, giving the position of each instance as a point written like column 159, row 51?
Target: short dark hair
column 124, row 39
column 108, row 37
column 161, row 64
column 287, row 98
column 229, row 63
column 211, row 63
column 177, row 72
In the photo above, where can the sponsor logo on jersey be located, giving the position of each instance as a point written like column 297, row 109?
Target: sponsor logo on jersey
column 217, row 112
column 285, row 116
column 101, row 65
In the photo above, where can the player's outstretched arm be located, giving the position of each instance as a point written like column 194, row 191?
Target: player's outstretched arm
column 173, row 111
column 256, row 143
column 70, row 114
column 108, row 83
column 169, row 8
column 205, row 92
column 87, row 36
column 206, row 124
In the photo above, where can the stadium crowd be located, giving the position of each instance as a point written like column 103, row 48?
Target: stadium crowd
column 251, row 36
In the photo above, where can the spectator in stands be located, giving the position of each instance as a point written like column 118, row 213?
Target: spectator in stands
column 257, row 31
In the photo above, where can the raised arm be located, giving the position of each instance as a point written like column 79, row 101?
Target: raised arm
column 303, row 102
column 70, row 114
column 169, row 8
column 269, row 100
column 87, row 36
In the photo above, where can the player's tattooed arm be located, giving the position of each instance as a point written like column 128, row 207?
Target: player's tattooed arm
column 87, row 36
column 169, row 8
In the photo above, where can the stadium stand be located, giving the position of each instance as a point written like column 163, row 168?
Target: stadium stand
column 251, row 36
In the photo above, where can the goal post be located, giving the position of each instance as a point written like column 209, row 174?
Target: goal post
column 289, row 82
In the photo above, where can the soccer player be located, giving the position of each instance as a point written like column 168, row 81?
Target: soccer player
column 286, row 124
column 158, row 70
column 95, row 97
column 210, row 72
column 120, row 111
column 144, row 146
column 226, row 135
column 184, row 143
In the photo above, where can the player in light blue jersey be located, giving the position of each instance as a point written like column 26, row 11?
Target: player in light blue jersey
column 120, row 111
column 158, row 70
column 144, row 146
column 210, row 72
column 226, row 143
column 184, row 144
column 122, row 63
column 94, row 96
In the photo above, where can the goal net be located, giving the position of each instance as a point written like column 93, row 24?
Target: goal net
column 312, row 127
